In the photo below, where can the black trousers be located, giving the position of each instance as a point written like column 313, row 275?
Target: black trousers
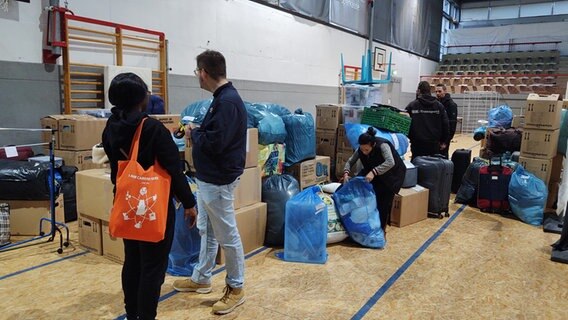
column 385, row 197
column 420, row 148
column 143, row 272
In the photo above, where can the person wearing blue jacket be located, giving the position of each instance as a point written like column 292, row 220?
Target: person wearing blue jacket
column 219, row 152
column 155, row 104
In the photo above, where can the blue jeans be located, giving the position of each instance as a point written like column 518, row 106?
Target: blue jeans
column 217, row 226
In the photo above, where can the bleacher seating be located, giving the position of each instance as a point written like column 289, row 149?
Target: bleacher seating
column 503, row 72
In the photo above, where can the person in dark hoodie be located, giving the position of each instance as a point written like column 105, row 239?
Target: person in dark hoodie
column 219, row 151
column 382, row 167
column 452, row 112
column 429, row 129
column 145, row 263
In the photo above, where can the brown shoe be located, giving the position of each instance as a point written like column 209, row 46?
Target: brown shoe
column 187, row 285
column 232, row 298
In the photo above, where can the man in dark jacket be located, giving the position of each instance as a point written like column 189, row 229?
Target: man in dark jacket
column 219, row 151
column 429, row 127
column 452, row 111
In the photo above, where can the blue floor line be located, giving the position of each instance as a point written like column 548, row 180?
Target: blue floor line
column 42, row 265
column 216, row 271
column 385, row 287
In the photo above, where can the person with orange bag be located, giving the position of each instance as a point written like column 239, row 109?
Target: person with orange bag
column 145, row 263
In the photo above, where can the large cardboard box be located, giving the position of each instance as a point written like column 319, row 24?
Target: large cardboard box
column 94, row 193
column 51, row 122
column 248, row 191
column 323, row 169
column 113, row 248
column 328, row 116
column 25, row 215
column 410, row 205
column 547, row 170
column 80, row 132
column 304, row 172
column 543, row 112
column 343, row 144
column 540, row 144
column 251, row 222
column 90, row 233
column 518, row 122
column 83, row 160
column 340, row 165
column 326, row 142
column 170, row 121
column 251, row 149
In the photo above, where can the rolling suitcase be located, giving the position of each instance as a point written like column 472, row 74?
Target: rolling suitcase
column 493, row 188
column 461, row 159
column 435, row 173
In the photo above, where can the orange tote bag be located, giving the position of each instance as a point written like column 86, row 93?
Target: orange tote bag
column 140, row 208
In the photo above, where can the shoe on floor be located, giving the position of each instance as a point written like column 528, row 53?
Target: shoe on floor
column 231, row 299
column 187, row 285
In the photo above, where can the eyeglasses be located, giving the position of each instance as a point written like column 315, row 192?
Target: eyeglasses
column 196, row 71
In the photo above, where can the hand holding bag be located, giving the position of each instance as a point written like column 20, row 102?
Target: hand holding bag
column 140, row 206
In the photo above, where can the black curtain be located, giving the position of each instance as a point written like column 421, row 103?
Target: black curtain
column 317, row 9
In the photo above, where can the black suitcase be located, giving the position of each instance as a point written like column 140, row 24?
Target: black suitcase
column 435, row 173
column 461, row 158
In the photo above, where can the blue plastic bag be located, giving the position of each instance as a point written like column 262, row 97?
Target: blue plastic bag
column 271, row 128
column 301, row 137
column 277, row 109
column 184, row 254
column 357, row 207
column 500, row 117
column 305, row 228
column 398, row 140
column 527, row 196
column 196, row 111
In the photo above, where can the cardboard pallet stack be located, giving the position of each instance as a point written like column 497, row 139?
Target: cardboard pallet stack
column 95, row 197
column 540, row 141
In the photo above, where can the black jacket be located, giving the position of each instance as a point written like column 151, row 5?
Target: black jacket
column 219, row 144
column 391, row 179
column 156, row 143
column 429, row 120
column 452, row 111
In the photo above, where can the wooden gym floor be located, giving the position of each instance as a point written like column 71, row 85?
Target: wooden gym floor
column 469, row 266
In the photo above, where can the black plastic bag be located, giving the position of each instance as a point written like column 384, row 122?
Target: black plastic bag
column 276, row 191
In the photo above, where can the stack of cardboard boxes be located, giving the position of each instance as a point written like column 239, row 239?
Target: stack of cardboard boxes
column 540, row 141
column 25, row 216
column 95, row 198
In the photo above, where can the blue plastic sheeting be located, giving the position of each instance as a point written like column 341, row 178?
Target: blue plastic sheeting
column 500, row 117
column 398, row 140
column 196, row 111
column 271, row 128
column 184, row 254
column 527, row 196
column 301, row 138
column 357, row 207
column 305, row 228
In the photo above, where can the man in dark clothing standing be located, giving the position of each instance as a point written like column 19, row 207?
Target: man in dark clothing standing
column 452, row 112
column 429, row 127
column 219, row 151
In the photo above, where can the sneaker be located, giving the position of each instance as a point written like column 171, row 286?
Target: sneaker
column 231, row 299
column 187, row 285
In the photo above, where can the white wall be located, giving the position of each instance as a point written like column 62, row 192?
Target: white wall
column 260, row 43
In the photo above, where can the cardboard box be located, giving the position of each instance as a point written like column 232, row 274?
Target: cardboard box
column 83, row 160
column 170, row 121
column 248, row 191
column 340, row 165
column 304, row 172
column 80, row 132
column 113, row 248
column 251, row 222
column 547, row 170
column 90, row 233
column 343, row 144
column 323, row 169
column 25, row 215
column 94, row 193
column 328, row 116
column 518, row 122
column 410, row 205
column 540, row 144
column 352, row 114
column 543, row 112
column 326, row 142
column 51, row 122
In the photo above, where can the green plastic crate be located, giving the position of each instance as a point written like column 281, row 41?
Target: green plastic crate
column 384, row 118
